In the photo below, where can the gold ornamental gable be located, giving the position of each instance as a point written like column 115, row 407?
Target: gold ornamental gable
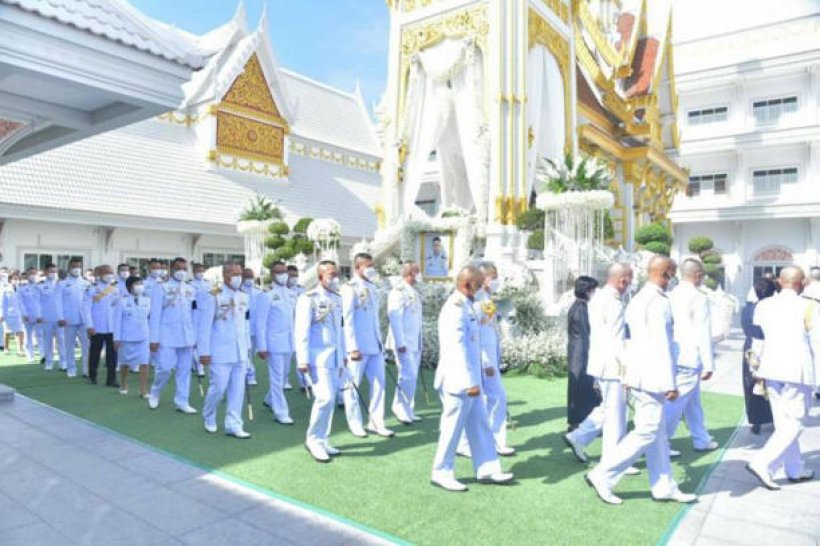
column 248, row 138
column 251, row 94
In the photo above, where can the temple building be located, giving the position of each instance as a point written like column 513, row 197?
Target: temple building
column 750, row 122
column 176, row 183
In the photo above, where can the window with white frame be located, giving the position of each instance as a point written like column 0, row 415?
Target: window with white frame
column 770, row 110
column 707, row 184
column 213, row 259
column 40, row 260
column 770, row 181
column 707, row 115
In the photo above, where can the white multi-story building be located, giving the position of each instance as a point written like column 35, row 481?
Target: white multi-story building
column 750, row 136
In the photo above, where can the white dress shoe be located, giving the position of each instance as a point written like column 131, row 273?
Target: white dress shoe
column 288, row 387
column 123, row 391
column 764, row 477
column 283, row 420
column 711, row 446
column 677, row 496
column 497, row 477
column 252, row 383
column 318, row 453
column 153, row 402
column 804, row 476
column 576, row 449
column 448, row 483
column 382, row 431
column 416, row 418
column 240, row 434
column 330, row 450
column 604, row 493
column 505, row 451
column 71, row 374
column 210, row 428
column 358, row 432
column 674, row 453
column 187, row 410
column 632, row 471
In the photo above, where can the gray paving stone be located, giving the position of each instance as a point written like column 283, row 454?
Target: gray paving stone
column 13, row 515
column 170, row 510
column 802, row 521
column 114, row 448
column 160, row 468
column 746, row 531
column 220, row 494
column 36, row 534
column 231, row 531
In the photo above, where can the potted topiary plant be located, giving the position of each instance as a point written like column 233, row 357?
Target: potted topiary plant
column 655, row 238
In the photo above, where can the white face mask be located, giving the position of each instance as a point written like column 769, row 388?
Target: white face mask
column 199, row 276
column 163, row 272
column 292, row 281
column 51, row 276
column 91, row 278
column 156, row 273
column 282, row 278
column 370, row 274
column 247, row 284
column 180, row 275
column 137, row 289
column 236, row 282
column 418, row 277
column 108, row 278
column 32, row 279
column 333, row 284
column 494, row 285
column 124, row 274
column 76, row 272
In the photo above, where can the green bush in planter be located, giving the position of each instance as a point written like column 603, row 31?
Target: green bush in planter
column 302, row 225
column 279, row 228
column 268, row 260
column 652, row 233
column 274, row 242
column 536, row 240
column 712, row 258
column 531, row 220
column 658, row 247
column 700, row 245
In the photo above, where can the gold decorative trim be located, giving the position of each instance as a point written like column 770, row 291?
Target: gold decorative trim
column 334, row 156
column 559, row 8
column 539, row 31
column 181, row 119
column 590, row 24
column 247, row 138
column 247, row 165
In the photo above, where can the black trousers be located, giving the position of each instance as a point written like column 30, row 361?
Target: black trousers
column 95, row 350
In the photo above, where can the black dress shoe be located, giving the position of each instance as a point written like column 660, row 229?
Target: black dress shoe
column 43, row 361
column 114, row 384
column 92, row 380
column 266, row 404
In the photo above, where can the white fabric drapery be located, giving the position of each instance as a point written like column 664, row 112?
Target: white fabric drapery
column 444, row 112
column 545, row 110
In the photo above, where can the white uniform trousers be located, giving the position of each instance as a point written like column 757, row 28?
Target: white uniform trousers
column 48, row 337
column 178, row 360
column 71, row 332
column 275, row 397
column 251, row 367
column 371, row 366
column 325, row 383
column 33, row 330
column 286, row 372
column 608, row 419
column 688, row 406
column 790, row 405
column 468, row 415
column 649, row 437
column 226, row 378
column 496, row 399
column 404, row 399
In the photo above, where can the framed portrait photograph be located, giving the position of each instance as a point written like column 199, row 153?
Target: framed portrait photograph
column 435, row 254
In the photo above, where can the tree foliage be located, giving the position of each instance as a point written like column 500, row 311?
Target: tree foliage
column 700, row 245
column 260, row 208
column 652, row 233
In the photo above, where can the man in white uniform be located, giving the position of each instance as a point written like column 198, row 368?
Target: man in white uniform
column 202, row 287
column 70, row 297
column 320, row 355
column 360, row 309
column 172, row 336
column 458, row 381
column 30, row 307
column 49, row 316
column 790, row 370
column 224, row 342
column 253, row 292
column 123, row 272
column 650, row 374
column 606, row 358
column 404, row 313
column 693, row 355
column 274, row 338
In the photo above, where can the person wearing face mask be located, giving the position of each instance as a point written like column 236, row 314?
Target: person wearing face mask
column 49, row 315
column 71, row 294
column 360, row 311
column 131, row 334
column 224, row 341
column 404, row 339
column 99, row 304
column 458, row 381
column 202, row 286
column 274, row 338
column 253, row 292
column 12, row 317
column 154, row 278
column 172, row 336
column 293, row 280
column 320, row 355
column 123, row 272
column 650, row 374
column 30, row 307
column 90, row 276
column 296, row 288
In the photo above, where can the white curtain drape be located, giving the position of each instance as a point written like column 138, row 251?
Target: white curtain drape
column 545, row 109
column 445, row 113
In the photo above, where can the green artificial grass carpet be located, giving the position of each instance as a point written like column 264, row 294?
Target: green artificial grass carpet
column 384, row 483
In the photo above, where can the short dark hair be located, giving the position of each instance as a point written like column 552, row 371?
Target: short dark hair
column 583, row 286
column 293, row 268
column 360, row 257
column 194, row 265
column 50, row 265
column 154, row 261
column 764, row 288
column 123, row 265
column 327, row 262
column 178, row 260
column 75, row 261
column 130, row 281
column 436, row 238
column 279, row 262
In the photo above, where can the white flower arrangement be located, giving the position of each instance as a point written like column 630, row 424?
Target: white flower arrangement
column 324, row 231
column 593, row 199
column 540, row 354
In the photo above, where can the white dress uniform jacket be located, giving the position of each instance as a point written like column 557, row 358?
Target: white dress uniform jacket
column 606, row 339
column 692, row 347
column 360, row 305
column 649, row 364
column 131, row 319
column 99, row 303
column 172, row 322
column 70, row 296
column 274, row 320
column 404, row 312
column 318, row 334
column 224, row 332
column 459, row 365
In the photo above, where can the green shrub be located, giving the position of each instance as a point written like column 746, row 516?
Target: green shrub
column 267, row 260
column 710, row 269
column 302, row 225
column 284, row 253
column 275, row 241
column 658, row 247
column 536, row 240
column 710, row 283
column 699, row 245
column 531, row 220
column 279, row 228
column 260, row 208
column 651, row 233
column 712, row 258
